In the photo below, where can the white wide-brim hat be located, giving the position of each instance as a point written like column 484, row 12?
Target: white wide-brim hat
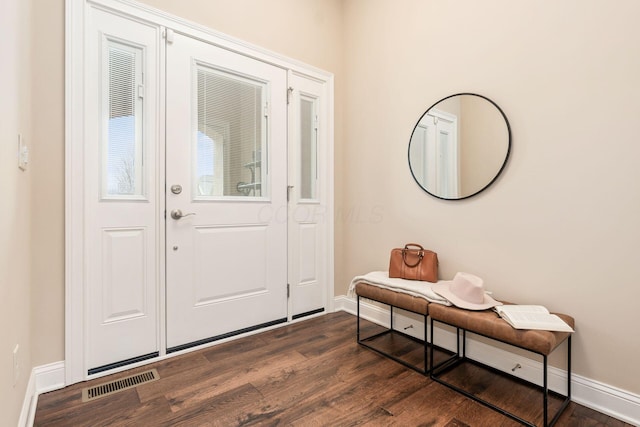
column 465, row 291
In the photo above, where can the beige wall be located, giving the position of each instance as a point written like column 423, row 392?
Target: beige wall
column 48, row 182
column 15, row 207
column 558, row 228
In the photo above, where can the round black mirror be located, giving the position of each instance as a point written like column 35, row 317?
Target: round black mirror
column 459, row 146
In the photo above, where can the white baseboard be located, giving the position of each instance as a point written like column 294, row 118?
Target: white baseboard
column 604, row 398
column 28, row 405
column 601, row 397
column 42, row 379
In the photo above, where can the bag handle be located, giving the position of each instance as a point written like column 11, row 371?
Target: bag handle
column 414, row 244
column 406, row 249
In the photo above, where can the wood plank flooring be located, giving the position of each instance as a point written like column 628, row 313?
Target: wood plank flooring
column 311, row 373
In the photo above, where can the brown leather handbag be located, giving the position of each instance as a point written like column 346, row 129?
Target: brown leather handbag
column 413, row 262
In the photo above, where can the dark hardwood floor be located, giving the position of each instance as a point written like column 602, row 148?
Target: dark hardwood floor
column 311, row 373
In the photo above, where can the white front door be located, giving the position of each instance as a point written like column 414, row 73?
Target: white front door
column 121, row 202
column 226, row 193
column 308, row 196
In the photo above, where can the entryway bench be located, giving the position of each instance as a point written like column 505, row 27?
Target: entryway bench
column 488, row 324
column 485, row 323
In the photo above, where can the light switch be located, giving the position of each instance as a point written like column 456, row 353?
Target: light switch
column 23, row 153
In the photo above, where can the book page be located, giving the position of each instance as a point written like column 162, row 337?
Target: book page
column 533, row 320
column 515, row 308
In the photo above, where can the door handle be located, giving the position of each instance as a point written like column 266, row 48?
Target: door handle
column 177, row 214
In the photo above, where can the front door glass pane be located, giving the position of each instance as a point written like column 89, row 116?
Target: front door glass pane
column 123, row 150
column 308, row 149
column 230, row 135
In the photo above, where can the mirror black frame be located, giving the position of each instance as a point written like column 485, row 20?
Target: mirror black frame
column 504, row 163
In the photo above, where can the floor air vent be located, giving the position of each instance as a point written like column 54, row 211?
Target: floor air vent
column 105, row 389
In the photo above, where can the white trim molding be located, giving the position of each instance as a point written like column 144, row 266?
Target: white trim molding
column 43, row 379
column 74, row 188
column 598, row 396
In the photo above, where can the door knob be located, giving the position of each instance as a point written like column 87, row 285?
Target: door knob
column 177, row 214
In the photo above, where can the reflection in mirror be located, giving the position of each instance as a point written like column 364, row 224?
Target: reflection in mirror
column 459, row 146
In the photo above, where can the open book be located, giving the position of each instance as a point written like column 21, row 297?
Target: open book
column 532, row 317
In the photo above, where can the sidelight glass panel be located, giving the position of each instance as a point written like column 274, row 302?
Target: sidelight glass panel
column 308, row 148
column 123, row 148
column 230, row 136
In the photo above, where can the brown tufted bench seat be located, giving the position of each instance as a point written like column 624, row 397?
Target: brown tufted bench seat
column 398, row 300
column 488, row 324
column 392, row 298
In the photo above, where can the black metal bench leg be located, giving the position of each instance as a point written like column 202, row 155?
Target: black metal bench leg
column 464, row 342
column 545, row 395
column 431, row 348
column 569, row 367
column 358, row 325
column 567, row 398
column 426, row 344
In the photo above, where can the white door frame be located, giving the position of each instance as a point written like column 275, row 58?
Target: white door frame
column 75, row 265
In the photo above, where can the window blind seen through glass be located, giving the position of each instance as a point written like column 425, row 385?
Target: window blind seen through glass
column 230, row 135
column 124, row 128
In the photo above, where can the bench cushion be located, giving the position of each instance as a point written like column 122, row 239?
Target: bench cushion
column 396, row 299
column 488, row 323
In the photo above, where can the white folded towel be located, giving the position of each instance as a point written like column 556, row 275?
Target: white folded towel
column 417, row 288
